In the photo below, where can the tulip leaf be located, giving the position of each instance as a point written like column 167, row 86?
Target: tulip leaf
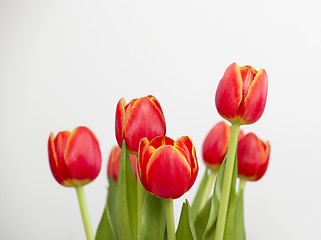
column 131, row 185
column 185, row 229
column 202, row 219
column 111, row 199
column 196, row 205
column 229, row 224
column 124, row 207
column 154, row 218
column 239, row 229
column 105, row 229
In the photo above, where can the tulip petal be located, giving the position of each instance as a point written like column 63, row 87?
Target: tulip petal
column 255, row 99
column 82, row 156
column 185, row 143
column 144, row 120
column 168, row 173
column 229, row 92
column 161, row 141
column 144, row 154
column 120, row 121
column 56, row 147
column 155, row 101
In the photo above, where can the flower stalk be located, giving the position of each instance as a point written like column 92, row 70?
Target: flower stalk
column 84, row 212
column 170, row 219
column 222, row 211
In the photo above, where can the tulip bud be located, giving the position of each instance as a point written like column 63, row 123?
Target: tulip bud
column 142, row 117
column 252, row 157
column 167, row 168
column 215, row 145
column 74, row 157
column 241, row 94
column 113, row 163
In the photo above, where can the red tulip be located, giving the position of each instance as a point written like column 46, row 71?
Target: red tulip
column 215, row 145
column 252, row 157
column 74, row 157
column 113, row 163
column 241, row 94
column 142, row 117
column 167, row 168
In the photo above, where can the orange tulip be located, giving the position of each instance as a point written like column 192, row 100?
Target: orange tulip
column 241, row 94
column 142, row 117
column 167, row 168
column 252, row 157
column 215, row 145
column 113, row 163
column 74, row 157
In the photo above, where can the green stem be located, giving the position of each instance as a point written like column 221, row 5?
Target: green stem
column 84, row 212
column 227, row 179
column 140, row 204
column 207, row 188
column 242, row 185
column 170, row 219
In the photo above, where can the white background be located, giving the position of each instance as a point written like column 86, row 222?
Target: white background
column 67, row 63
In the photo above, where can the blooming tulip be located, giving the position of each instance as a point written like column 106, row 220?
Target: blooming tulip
column 216, row 144
column 142, row 117
column 241, row 94
column 167, row 168
column 74, row 157
column 252, row 157
column 113, row 163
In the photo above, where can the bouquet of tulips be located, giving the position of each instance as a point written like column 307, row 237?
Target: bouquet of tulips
column 148, row 170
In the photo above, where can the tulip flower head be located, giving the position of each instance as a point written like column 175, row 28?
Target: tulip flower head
column 215, row 145
column 252, row 157
column 113, row 163
column 142, row 117
column 74, row 157
column 241, row 94
column 167, row 168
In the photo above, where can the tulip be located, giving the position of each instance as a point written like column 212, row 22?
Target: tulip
column 142, row 117
column 215, row 145
column 241, row 94
column 113, row 163
column 75, row 160
column 252, row 157
column 167, row 168
column 74, row 157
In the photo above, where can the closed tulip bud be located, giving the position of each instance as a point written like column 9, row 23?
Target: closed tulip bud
column 252, row 157
column 142, row 117
column 113, row 163
column 241, row 94
column 215, row 145
column 74, row 157
column 167, row 168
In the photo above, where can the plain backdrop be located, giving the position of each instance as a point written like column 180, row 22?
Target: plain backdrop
column 67, row 63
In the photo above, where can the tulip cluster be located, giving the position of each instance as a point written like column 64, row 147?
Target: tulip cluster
column 148, row 170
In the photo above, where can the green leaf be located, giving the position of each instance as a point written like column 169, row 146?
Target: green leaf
column 216, row 197
column 105, row 229
column 185, row 229
column 131, row 185
column 111, row 199
column 154, row 219
column 202, row 219
column 125, row 196
column 239, row 229
column 229, row 224
column 196, row 205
